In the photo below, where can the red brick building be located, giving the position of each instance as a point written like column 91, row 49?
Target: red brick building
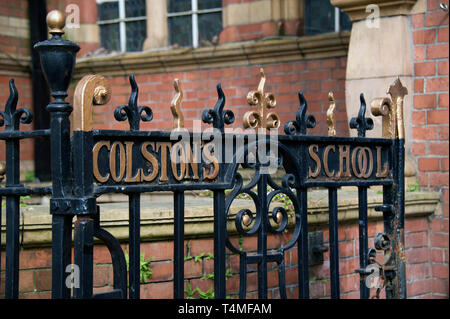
column 345, row 46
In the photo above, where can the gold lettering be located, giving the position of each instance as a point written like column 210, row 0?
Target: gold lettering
column 128, row 178
column 325, row 160
column 164, row 146
column 95, row 151
column 192, row 154
column 177, row 155
column 369, row 157
column 112, row 161
column 316, row 159
column 344, row 155
column 212, row 174
column 385, row 172
column 152, row 159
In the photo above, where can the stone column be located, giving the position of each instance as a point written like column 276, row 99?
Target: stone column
column 157, row 28
column 380, row 49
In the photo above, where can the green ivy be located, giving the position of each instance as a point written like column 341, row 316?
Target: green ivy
column 144, row 266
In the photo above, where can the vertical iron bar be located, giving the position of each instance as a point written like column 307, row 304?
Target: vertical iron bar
column 134, row 201
column 363, row 239
column 334, row 242
column 262, row 238
column 302, row 245
column 220, row 228
column 61, row 254
column 61, row 188
column 84, row 256
column 12, row 220
column 242, row 275
column 178, row 245
column 401, row 220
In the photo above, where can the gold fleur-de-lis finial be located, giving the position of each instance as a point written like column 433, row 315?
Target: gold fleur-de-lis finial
column 330, row 115
column 178, row 118
column 261, row 118
column 397, row 92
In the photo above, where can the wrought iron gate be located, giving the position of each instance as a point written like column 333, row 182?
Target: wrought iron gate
column 94, row 162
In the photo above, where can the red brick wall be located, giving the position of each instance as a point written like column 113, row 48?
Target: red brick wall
column 430, row 128
column 314, row 77
column 9, row 44
column 35, row 265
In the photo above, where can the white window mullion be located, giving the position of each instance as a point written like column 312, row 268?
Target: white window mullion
column 122, row 30
column 194, row 9
column 337, row 21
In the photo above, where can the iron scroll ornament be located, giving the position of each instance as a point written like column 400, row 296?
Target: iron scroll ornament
column 132, row 112
column 11, row 117
column 264, row 220
column 217, row 116
column 303, row 121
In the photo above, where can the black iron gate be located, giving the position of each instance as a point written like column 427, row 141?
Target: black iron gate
column 94, row 162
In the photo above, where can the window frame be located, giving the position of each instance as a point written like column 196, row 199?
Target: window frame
column 122, row 20
column 194, row 12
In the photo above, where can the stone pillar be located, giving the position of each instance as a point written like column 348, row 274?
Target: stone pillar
column 380, row 49
column 157, row 28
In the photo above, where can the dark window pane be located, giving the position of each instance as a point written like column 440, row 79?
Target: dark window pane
column 319, row 17
column 209, row 25
column 345, row 22
column 180, row 31
column 108, row 11
column 110, row 37
column 135, row 8
column 209, row 4
column 136, row 34
column 178, row 5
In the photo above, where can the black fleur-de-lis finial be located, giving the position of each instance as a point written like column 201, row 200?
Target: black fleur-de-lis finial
column 132, row 111
column 217, row 116
column 11, row 117
column 361, row 123
column 302, row 120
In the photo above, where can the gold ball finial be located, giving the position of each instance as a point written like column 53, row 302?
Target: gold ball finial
column 56, row 22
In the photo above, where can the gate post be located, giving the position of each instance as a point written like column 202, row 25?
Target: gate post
column 58, row 60
column 393, row 207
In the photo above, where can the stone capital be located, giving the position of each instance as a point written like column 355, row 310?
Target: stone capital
column 362, row 9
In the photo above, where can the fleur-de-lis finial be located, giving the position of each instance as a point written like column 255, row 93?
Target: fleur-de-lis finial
column 261, row 118
column 175, row 106
column 330, row 115
column 12, row 117
column 398, row 92
column 132, row 111
column 361, row 123
column 302, row 121
column 217, row 116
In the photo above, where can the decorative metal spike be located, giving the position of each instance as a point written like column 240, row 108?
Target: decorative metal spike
column 11, row 117
column 302, row 121
column 261, row 118
column 131, row 111
column 330, row 115
column 217, row 116
column 361, row 123
column 175, row 106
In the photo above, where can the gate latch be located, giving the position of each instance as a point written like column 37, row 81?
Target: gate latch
column 316, row 248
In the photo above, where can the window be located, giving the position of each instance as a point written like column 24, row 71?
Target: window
column 322, row 17
column 193, row 22
column 122, row 24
